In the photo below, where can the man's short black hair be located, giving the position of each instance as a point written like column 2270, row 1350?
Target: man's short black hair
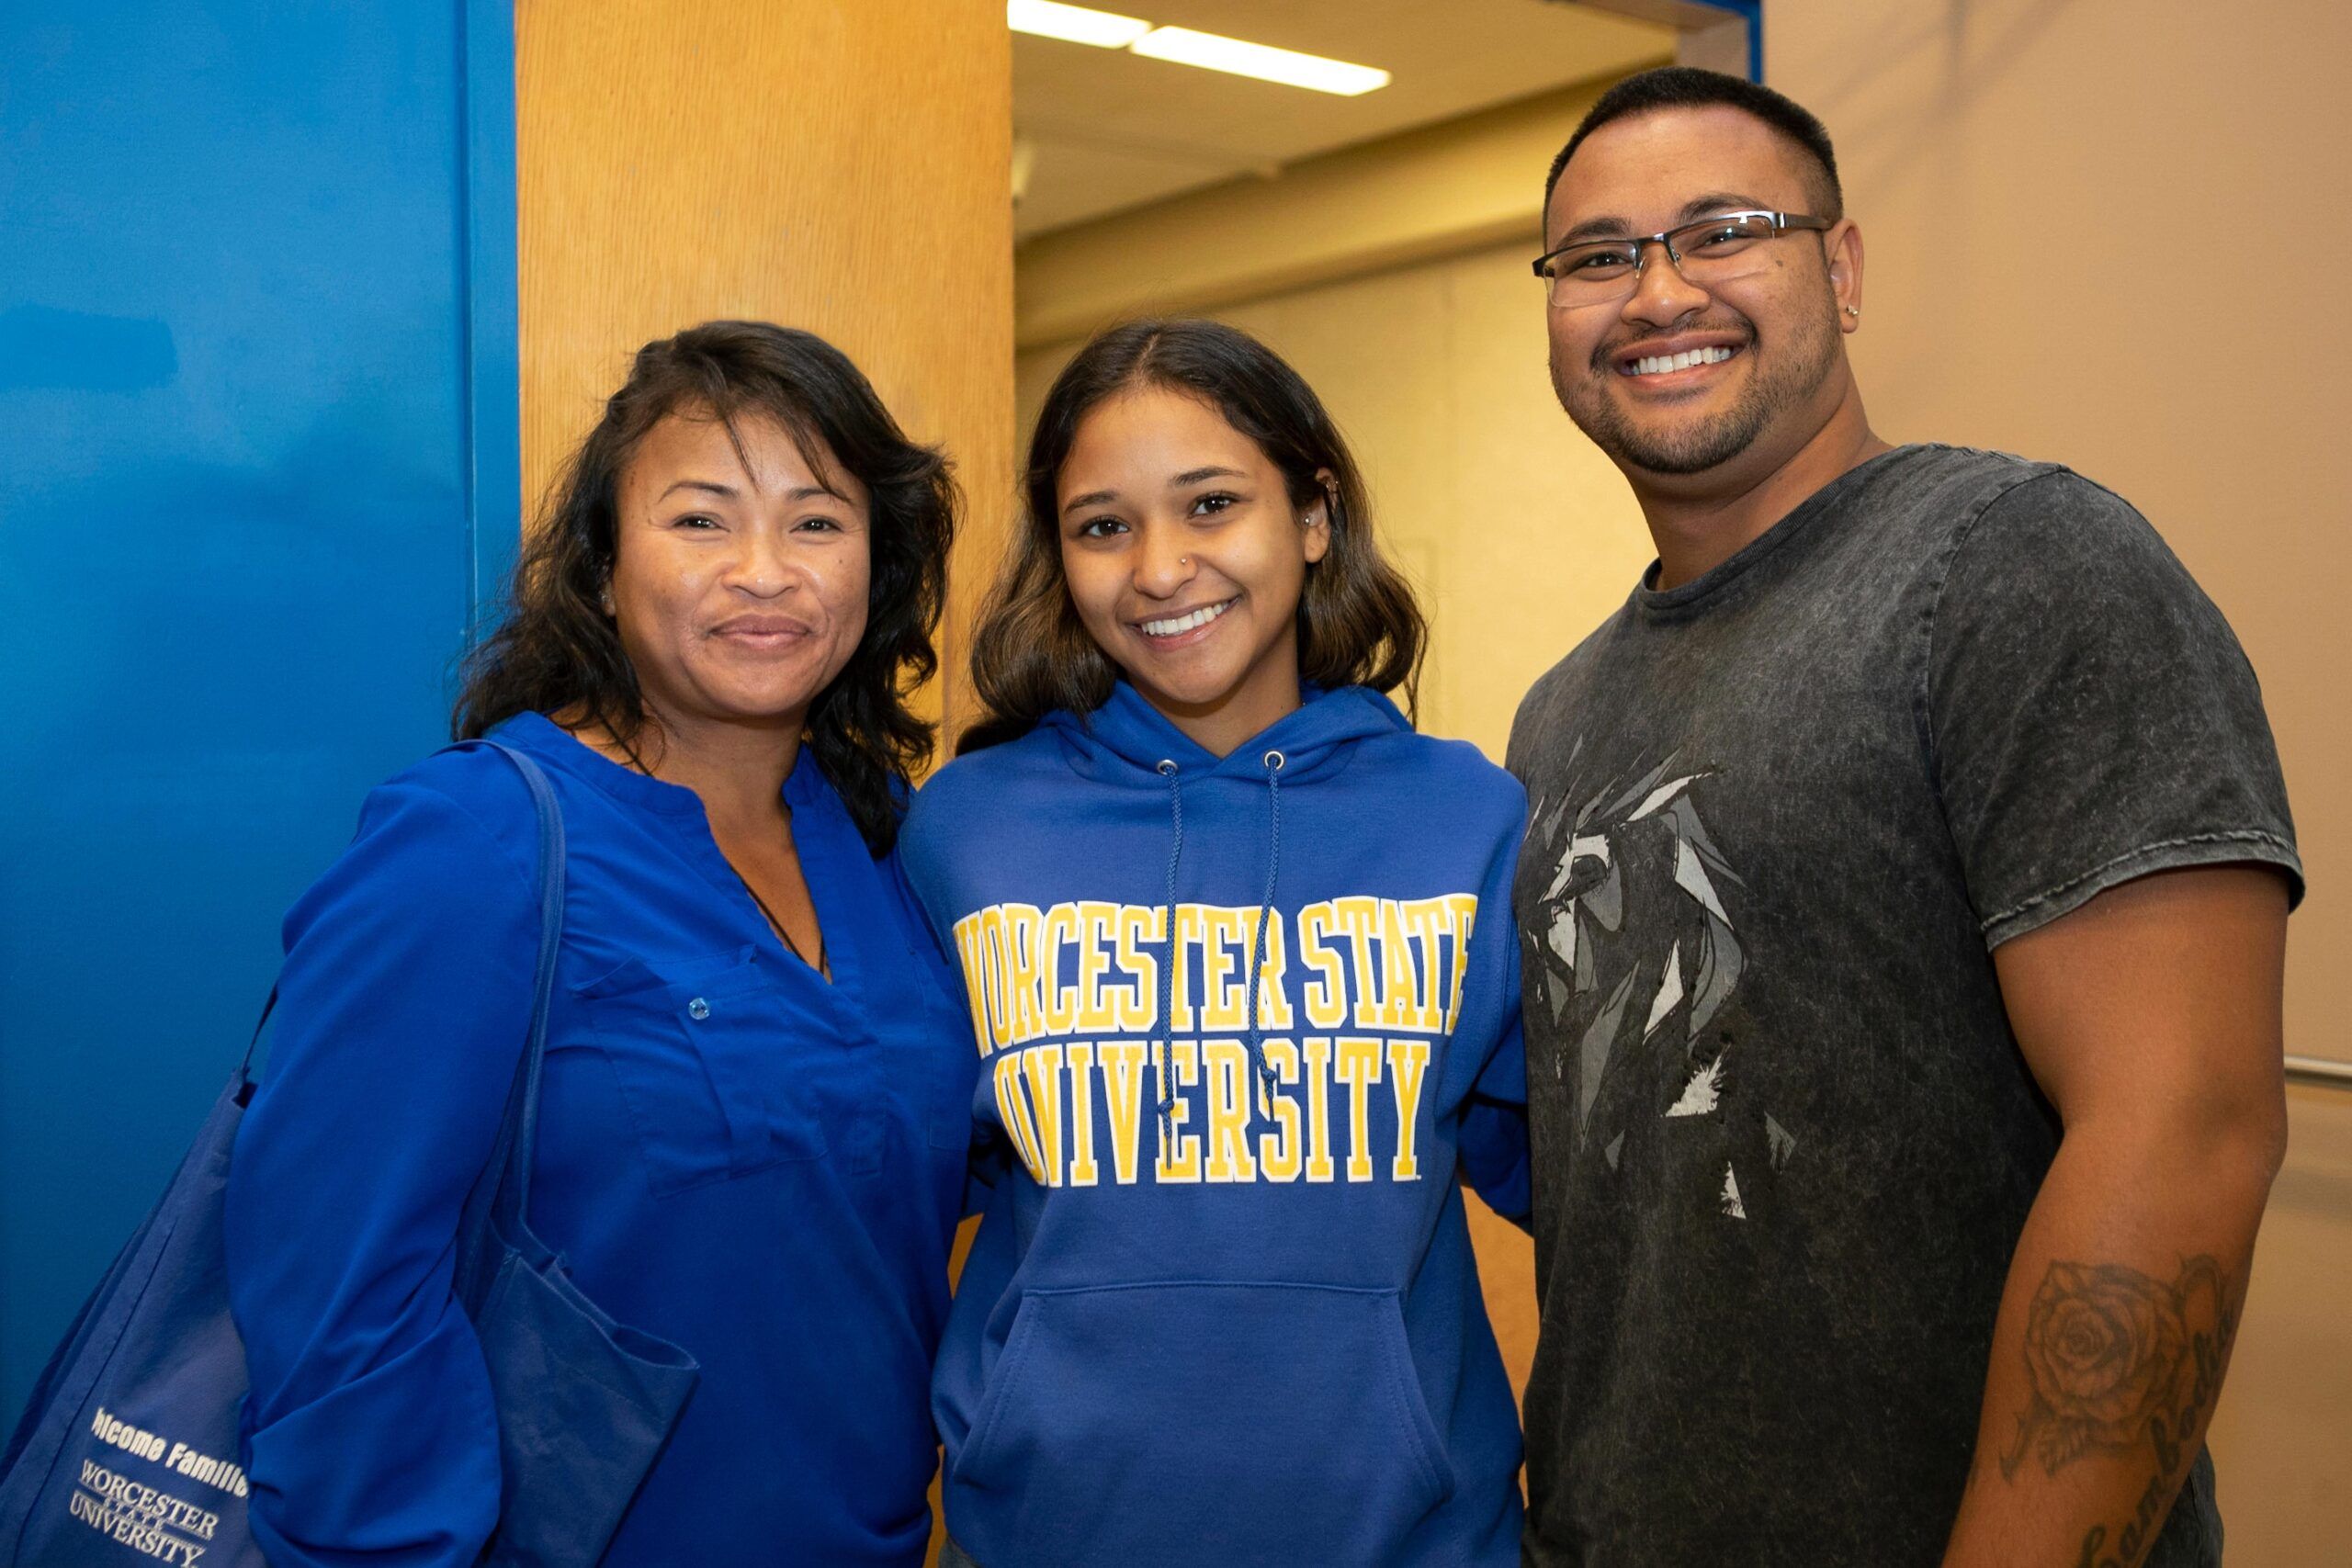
column 1687, row 88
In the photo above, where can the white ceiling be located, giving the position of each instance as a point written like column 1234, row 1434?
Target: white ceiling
column 1101, row 130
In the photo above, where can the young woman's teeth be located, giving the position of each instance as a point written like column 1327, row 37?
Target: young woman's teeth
column 1661, row 363
column 1177, row 625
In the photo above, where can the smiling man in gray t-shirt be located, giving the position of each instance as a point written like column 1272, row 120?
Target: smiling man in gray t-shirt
column 1903, row 908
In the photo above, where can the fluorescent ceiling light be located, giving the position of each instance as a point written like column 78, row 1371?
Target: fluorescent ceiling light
column 1074, row 24
column 1287, row 66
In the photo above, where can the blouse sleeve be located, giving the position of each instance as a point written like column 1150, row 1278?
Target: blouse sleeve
column 401, row 1010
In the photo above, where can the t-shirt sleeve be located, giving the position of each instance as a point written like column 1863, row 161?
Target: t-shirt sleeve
column 2091, row 717
column 402, row 1005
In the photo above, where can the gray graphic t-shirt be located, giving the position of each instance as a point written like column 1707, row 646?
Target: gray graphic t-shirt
column 1784, row 1139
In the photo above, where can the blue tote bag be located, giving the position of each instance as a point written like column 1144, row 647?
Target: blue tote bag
column 129, row 1450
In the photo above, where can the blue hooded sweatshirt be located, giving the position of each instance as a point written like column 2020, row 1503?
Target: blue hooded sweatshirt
column 1222, row 1308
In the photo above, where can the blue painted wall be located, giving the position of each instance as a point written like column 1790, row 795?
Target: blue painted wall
column 257, row 465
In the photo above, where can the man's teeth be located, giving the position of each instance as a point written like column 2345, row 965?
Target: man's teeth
column 1179, row 624
column 1660, row 363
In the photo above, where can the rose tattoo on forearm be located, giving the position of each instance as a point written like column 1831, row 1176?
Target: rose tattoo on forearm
column 2117, row 1358
column 2114, row 1355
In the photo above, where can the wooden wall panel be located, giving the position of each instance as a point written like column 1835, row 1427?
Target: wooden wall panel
column 832, row 164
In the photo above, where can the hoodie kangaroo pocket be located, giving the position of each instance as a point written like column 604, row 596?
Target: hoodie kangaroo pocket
column 1233, row 1424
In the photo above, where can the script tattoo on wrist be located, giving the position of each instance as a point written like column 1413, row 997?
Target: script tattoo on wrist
column 2117, row 1358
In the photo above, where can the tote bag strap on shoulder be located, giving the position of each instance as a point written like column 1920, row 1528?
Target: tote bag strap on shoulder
column 503, row 1194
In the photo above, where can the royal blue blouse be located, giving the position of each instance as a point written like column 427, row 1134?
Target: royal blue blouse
column 734, row 1155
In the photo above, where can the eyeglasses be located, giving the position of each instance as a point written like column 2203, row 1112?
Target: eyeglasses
column 1711, row 251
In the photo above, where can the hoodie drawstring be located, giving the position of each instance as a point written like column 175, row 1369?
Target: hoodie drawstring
column 1263, row 1077
column 1273, row 763
column 1168, row 959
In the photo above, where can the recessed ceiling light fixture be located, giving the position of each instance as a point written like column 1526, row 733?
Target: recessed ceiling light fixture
column 1182, row 46
column 1074, row 24
column 1263, row 62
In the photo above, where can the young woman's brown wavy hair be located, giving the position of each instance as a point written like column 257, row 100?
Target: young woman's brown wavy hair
column 1358, row 621
column 556, row 650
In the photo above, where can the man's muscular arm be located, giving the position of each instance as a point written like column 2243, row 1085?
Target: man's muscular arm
column 2150, row 1017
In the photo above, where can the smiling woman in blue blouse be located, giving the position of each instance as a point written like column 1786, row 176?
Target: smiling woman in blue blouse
column 756, row 1099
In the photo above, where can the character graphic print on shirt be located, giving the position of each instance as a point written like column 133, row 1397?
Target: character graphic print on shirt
column 1633, row 959
column 1326, row 1084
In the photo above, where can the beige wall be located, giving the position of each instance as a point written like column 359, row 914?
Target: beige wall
column 2110, row 232
column 749, row 159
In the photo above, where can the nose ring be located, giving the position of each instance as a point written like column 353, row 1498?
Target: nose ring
column 1183, row 560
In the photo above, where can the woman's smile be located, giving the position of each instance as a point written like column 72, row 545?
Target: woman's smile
column 762, row 633
column 1182, row 629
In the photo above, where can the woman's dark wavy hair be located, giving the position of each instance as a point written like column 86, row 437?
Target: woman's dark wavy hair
column 1358, row 621
column 556, row 650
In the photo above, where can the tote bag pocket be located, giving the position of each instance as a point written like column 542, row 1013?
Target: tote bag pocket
column 583, row 1404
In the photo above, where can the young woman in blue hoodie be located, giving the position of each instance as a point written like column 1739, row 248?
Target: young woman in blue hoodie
column 1238, row 951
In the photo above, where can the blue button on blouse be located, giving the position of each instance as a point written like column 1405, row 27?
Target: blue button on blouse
column 762, row 1167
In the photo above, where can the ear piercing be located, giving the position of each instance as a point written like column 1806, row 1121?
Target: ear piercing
column 1854, row 310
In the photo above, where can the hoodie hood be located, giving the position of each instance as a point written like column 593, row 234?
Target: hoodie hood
column 1126, row 740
